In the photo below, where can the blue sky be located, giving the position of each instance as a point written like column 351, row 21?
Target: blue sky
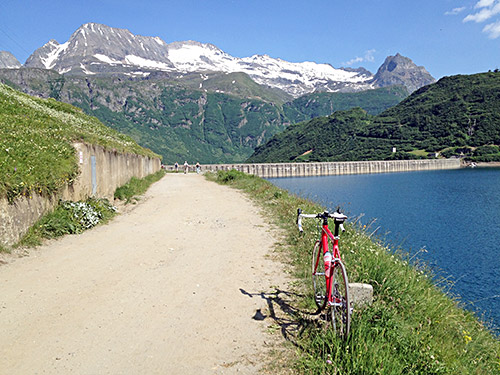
column 447, row 37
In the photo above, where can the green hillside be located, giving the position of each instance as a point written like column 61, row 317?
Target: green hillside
column 457, row 115
column 212, row 118
column 314, row 105
column 36, row 135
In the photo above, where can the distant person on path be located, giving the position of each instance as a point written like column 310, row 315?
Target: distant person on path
column 176, row 167
column 186, row 167
column 198, row 168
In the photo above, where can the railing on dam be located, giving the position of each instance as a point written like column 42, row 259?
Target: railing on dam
column 335, row 168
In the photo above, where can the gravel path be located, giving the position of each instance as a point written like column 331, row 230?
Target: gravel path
column 170, row 287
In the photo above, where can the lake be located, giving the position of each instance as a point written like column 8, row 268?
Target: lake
column 453, row 214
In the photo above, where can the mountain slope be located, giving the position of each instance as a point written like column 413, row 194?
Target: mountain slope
column 180, row 120
column 323, row 104
column 7, row 60
column 459, row 111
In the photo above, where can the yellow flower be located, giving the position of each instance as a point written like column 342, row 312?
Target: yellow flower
column 467, row 338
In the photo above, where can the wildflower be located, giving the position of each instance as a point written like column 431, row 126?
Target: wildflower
column 467, row 338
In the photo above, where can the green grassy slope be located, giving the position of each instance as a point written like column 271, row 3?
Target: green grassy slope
column 35, row 142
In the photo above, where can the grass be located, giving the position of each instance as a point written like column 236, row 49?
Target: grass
column 419, row 153
column 137, row 186
column 68, row 218
column 412, row 327
column 36, row 136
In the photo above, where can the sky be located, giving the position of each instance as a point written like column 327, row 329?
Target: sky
column 447, row 37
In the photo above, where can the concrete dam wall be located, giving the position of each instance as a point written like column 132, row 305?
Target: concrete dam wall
column 336, row 168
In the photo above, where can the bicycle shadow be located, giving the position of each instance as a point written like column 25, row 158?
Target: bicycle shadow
column 292, row 322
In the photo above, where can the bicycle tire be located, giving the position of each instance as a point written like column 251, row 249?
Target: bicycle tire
column 340, row 306
column 318, row 276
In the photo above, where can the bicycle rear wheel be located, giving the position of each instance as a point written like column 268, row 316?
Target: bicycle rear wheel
column 318, row 276
column 340, row 305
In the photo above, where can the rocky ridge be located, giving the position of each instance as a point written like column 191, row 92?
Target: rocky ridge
column 8, row 61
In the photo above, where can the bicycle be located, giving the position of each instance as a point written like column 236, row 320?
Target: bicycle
column 330, row 282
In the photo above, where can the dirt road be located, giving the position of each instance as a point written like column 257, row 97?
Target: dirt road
column 171, row 287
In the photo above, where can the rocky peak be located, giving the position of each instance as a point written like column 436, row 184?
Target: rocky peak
column 95, row 47
column 400, row 70
column 8, row 61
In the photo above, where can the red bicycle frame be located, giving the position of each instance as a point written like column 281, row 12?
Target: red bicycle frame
column 325, row 233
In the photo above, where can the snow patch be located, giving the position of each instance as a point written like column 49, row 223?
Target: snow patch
column 50, row 61
column 159, row 41
column 145, row 63
column 85, row 70
column 106, row 59
column 138, row 74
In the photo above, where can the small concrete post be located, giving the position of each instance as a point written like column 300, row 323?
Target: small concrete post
column 360, row 294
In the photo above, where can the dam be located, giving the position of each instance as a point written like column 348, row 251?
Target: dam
column 272, row 170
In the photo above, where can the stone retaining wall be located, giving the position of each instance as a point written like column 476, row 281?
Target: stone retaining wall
column 101, row 172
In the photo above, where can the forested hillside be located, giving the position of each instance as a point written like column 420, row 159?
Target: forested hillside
column 457, row 115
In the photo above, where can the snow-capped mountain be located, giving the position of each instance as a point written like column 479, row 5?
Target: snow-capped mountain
column 294, row 78
column 97, row 49
column 8, row 61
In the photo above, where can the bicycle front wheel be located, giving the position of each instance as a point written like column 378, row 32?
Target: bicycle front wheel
column 318, row 276
column 340, row 305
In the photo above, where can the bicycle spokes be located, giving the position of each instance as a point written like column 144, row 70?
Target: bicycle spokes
column 339, row 300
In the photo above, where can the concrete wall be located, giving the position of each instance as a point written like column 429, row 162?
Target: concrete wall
column 111, row 170
column 101, row 172
column 18, row 217
column 336, row 168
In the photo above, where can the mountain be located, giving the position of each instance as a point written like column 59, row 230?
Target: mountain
column 100, row 49
column 95, row 48
column 190, row 100
column 222, row 122
column 457, row 115
column 400, row 70
column 8, row 61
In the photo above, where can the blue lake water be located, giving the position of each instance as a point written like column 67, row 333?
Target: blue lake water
column 453, row 214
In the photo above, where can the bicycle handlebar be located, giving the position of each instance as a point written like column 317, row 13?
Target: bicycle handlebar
column 337, row 216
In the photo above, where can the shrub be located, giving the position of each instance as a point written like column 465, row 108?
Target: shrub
column 228, row 176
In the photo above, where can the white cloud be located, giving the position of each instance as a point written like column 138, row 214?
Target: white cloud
column 493, row 29
column 368, row 57
column 484, row 3
column 455, row 11
column 489, row 9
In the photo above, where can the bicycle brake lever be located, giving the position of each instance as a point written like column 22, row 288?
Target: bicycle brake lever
column 299, row 221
